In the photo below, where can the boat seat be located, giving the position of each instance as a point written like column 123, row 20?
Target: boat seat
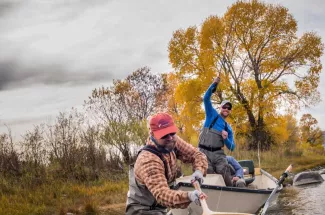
column 248, row 164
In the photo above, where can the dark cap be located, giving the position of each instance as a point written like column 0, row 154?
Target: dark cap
column 224, row 102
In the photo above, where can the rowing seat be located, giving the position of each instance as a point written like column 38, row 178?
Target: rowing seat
column 248, row 164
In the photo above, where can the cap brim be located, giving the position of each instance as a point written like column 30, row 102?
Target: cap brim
column 229, row 104
column 159, row 134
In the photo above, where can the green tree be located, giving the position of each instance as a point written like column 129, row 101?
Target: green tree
column 122, row 109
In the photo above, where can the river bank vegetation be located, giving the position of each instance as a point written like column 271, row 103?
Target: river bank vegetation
column 79, row 163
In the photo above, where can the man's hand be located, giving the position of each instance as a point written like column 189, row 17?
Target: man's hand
column 195, row 196
column 197, row 176
column 224, row 134
column 234, row 179
column 216, row 80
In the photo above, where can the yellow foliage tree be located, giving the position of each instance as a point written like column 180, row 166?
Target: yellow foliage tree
column 310, row 131
column 255, row 49
column 172, row 102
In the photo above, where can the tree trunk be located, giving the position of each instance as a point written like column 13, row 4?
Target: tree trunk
column 126, row 156
column 259, row 134
column 260, row 138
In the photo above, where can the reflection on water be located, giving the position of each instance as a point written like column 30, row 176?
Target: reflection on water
column 302, row 200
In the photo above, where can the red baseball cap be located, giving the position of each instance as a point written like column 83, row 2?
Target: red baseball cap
column 162, row 124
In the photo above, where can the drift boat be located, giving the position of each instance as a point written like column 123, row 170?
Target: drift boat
column 232, row 199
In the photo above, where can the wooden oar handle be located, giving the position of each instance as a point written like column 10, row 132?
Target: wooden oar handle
column 204, row 205
column 289, row 169
column 197, row 186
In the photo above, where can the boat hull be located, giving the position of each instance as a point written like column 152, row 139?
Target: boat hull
column 230, row 199
column 304, row 178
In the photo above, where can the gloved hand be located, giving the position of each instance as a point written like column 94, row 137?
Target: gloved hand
column 194, row 196
column 197, row 176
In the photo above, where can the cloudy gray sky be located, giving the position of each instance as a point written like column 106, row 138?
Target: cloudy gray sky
column 54, row 52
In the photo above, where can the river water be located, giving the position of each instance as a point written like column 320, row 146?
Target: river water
column 302, row 200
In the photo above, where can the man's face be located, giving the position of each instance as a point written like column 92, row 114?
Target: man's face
column 168, row 141
column 225, row 110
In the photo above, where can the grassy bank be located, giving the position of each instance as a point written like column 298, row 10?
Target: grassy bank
column 62, row 197
column 276, row 161
column 108, row 197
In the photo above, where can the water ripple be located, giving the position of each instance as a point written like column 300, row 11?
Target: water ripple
column 302, row 200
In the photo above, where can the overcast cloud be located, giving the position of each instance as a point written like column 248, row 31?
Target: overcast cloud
column 53, row 53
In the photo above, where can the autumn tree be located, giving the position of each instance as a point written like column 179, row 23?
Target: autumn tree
column 123, row 108
column 168, row 102
column 255, row 49
column 146, row 90
column 292, row 131
column 310, row 131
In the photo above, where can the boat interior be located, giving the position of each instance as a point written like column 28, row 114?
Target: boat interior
column 261, row 181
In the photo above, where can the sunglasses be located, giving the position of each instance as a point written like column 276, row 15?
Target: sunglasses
column 226, row 107
column 165, row 137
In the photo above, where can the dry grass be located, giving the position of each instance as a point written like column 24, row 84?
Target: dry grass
column 108, row 197
column 276, row 161
column 61, row 198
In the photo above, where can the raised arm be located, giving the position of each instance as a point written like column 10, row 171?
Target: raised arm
column 207, row 97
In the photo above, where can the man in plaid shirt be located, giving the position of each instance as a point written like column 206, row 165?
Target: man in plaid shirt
column 152, row 179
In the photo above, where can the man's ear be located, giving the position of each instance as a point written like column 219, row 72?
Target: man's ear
column 153, row 138
column 151, row 134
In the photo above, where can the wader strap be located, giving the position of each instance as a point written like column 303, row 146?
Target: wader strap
column 215, row 120
column 155, row 151
column 226, row 126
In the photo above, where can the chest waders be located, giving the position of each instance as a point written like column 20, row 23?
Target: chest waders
column 139, row 199
column 211, row 143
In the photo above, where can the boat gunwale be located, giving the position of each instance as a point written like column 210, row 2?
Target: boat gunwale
column 235, row 189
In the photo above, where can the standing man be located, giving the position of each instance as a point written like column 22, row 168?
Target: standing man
column 152, row 179
column 216, row 133
column 237, row 172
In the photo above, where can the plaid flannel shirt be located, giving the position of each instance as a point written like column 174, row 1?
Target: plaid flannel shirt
column 149, row 170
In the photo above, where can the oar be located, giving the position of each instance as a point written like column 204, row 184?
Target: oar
column 283, row 176
column 207, row 211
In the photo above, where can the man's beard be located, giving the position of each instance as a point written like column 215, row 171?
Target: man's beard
column 224, row 115
column 169, row 147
